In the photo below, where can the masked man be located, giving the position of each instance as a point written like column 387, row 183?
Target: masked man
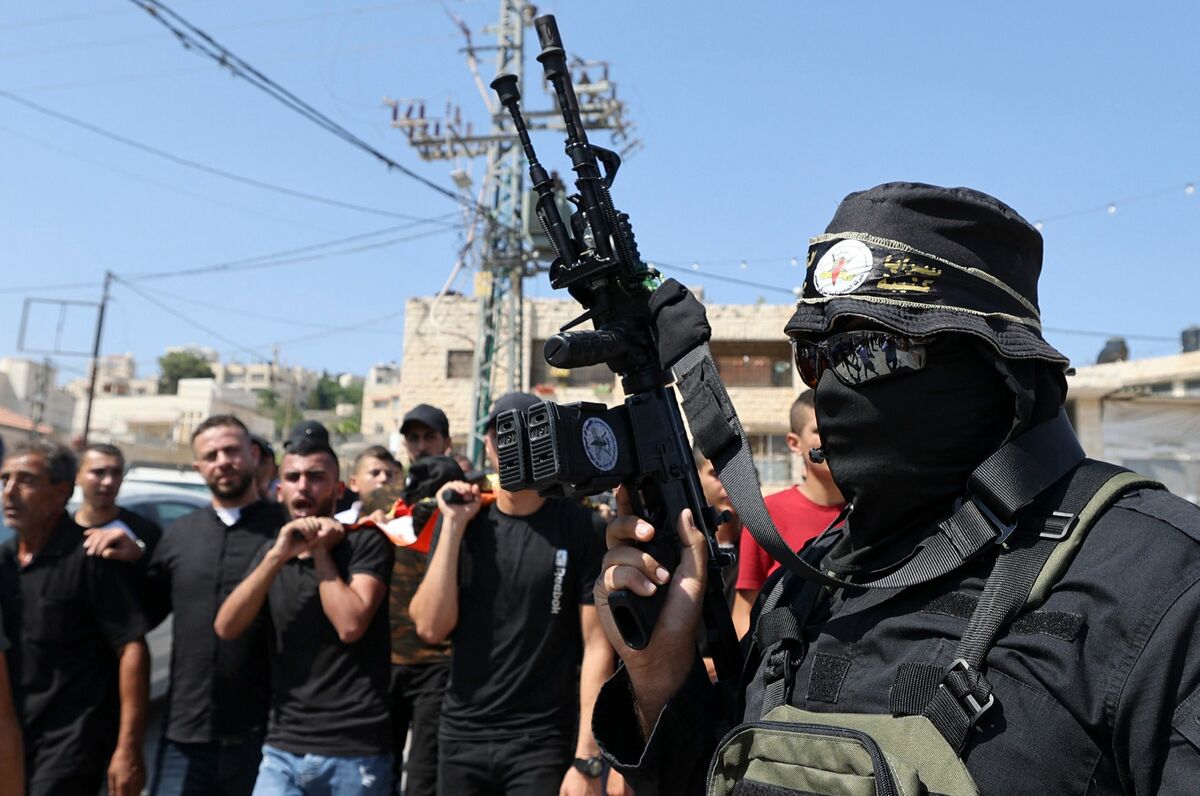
column 957, row 603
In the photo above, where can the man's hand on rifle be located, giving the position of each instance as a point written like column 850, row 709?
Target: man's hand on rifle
column 659, row 670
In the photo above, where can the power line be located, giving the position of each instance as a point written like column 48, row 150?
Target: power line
column 166, row 186
column 1189, row 189
column 259, row 23
column 194, row 38
column 266, row 261
column 243, row 313
column 341, row 329
column 191, row 322
column 129, row 142
column 39, row 288
column 731, row 280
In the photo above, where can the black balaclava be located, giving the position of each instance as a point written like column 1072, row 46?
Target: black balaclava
column 901, row 448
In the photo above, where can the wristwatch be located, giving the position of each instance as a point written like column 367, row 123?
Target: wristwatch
column 589, row 766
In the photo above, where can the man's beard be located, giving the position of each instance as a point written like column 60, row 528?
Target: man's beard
column 232, row 491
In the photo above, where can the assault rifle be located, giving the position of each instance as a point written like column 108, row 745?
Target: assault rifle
column 586, row 448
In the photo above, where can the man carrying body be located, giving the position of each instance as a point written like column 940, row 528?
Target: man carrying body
column 330, row 732
column 800, row 512
column 80, row 670
column 219, row 690
column 511, row 584
column 1088, row 682
column 419, row 669
column 101, row 472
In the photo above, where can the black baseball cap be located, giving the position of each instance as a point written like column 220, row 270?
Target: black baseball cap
column 512, row 400
column 429, row 416
column 264, row 447
column 308, row 429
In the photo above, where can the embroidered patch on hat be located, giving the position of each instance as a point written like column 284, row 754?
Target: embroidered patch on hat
column 842, row 268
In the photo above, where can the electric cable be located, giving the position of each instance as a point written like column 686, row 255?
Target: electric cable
column 193, row 38
column 129, row 142
column 190, row 321
column 264, row 261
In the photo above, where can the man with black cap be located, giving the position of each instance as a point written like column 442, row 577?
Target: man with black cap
column 426, row 432
column 959, row 624
column 419, row 669
column 511, row 585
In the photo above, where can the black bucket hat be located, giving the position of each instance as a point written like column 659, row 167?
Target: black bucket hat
column 921, row 259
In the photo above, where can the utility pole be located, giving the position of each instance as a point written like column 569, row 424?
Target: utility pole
column 42, row 384
column 507, row 253
column 87, row 415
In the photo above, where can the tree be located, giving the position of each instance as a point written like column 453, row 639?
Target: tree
column 180, row 365
column 282, row 412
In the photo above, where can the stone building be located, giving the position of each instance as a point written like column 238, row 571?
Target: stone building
column 1143, row 414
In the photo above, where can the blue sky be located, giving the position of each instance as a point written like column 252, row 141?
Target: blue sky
column 755, row 122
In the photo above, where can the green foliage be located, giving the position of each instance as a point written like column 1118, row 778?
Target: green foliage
column 180, row 365
column 328, row 394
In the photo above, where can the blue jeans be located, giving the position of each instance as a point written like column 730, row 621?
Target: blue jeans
column 286, row 774
column 201, row 769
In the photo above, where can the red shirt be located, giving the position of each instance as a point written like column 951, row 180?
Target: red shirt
column 798, row 520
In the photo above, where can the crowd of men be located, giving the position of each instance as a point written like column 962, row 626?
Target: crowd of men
column 309, row 653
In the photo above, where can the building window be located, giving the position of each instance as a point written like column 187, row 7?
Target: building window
column 753, row 363
column 460, row 364
column 542, row 372
column 381, row 404
column 772, row 458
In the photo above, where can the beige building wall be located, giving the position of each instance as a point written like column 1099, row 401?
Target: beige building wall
column 748, row 342
column 159, row 427
column 381, row 405
column 1143, row 414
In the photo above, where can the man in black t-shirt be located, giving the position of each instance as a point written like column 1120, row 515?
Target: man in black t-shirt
column 80, row 664
column 329, row 730
column 219, row 690
column 511, row 585
column 101, row 472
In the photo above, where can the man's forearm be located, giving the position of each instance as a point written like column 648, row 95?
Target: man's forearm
column 134, row 685
column 242, row 606
column 597, row 666
column 347, row 610
column 434, row 606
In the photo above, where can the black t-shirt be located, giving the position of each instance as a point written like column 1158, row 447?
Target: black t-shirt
column 328, row 697
column 218, row 688
column 517, row 644
column 68, row 614
column 144, row 529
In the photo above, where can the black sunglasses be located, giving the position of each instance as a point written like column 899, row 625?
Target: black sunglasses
column 859, row 356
